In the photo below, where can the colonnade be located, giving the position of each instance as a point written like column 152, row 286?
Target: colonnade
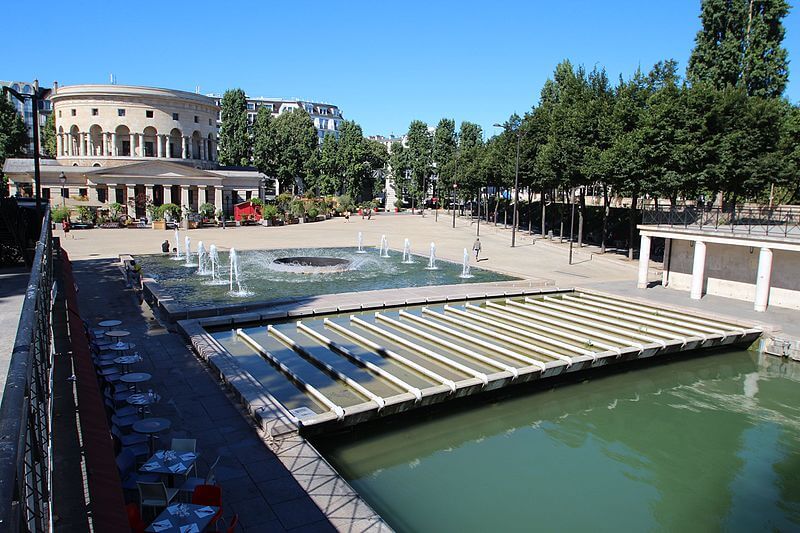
column 697, row 287
column 83, row 144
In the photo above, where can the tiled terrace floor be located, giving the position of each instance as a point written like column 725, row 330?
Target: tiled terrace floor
column 255, row 483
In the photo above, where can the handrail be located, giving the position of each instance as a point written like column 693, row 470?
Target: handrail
column 25, row 408
column 769, row 221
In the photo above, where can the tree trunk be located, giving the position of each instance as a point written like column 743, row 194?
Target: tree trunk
column 530, row 211
column 604, row 231
column 632, row 222
column 581, row 210
column 496, row 206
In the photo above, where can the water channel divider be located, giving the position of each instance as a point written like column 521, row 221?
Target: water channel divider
column 546, row 352
column 520, row 310
column 662, row 330
column 661, row 312
column 529, row 361
column 449, row 345
column 414, row 347
column 380, row 350
column 548, row 308
column 325, row 367
column 316, row 394
column 359, row 361
column 525, row 325
column 613, row 311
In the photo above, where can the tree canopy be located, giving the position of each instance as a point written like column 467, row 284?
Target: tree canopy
column 234, row 137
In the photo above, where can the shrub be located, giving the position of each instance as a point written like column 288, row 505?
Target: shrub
column 60, row 214
column 207, row 210
column 283, row 200
column 170, row 212
column 269, row 212
column 258, row 202
column 154, row 211
column 85, row 214
column 115, row 209
column 313, row 213
column 398, row 203
column 297, row 208
column 346, row 202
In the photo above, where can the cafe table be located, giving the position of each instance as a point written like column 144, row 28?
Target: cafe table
column 183, row 518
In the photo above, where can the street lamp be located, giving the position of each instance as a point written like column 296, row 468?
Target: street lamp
column 455, row 186
column 34, row 98
column 518, row 133
column 62, row 178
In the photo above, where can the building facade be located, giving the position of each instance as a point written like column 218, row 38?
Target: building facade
column 25, row 108
column 135, row 146
column 327, row 117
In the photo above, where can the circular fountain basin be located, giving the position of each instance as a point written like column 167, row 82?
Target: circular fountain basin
column 312, row 265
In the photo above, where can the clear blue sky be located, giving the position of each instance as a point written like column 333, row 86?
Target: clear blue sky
column 384, row 63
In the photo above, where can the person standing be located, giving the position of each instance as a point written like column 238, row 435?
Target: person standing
column 476, row 246
column 165, row 246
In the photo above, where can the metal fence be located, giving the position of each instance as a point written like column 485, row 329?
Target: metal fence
column 25, row 461
column 751, row 221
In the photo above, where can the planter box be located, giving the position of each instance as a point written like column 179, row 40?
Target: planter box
column 193, row 225
column 160, row 224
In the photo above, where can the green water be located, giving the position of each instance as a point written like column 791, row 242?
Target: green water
column 704, row 444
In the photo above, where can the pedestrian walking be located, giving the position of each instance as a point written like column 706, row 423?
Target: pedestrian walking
column 476, row 246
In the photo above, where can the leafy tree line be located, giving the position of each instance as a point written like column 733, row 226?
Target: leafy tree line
column 722, row 131
column 286, row 147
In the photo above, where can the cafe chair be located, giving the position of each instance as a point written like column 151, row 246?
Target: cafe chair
column 209, row 495
column 156, row 495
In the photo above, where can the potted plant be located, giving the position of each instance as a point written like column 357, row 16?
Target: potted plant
column 269, row 213
column 156, row 213
column 312, row 214
column 398, row 205
column 298, row 210
column 206, row 211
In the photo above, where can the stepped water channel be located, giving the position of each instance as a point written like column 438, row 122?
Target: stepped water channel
column 343, row 369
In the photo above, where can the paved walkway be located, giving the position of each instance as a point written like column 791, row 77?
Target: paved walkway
column 255, row 483
column 13, row 282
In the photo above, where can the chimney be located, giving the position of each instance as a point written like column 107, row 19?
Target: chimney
column 36, row 86
column 55, row 87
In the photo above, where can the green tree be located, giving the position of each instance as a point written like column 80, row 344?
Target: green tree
column 419, row 159
column 398, row 163
column 234, row 138
column 352, row 157
column 329, row 179
column 48, row 136
column 740, row 43
column 13, row 137
column 377, row 158
column 444, row 153
column 296, row 149
column 264, row 143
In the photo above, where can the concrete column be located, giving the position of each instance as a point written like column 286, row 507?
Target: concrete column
column 59, row 145
column 168, row 146
column 93, row 195
column 644, row 261
column 698, row 270
column 160, row 145
column 113, row 151
column 763, row 279
column 218, row 198
column 130, row 198
column 133, row 144
column 167, row 194
column 148, row 191
column 184, row 149
column 665, row 274
column 68, row 147
column 202, row 149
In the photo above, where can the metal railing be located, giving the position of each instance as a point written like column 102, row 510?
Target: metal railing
column 776, row 222
column 25, row 461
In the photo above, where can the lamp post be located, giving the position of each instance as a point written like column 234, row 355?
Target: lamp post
column 518, row 133
column 62, row 178
column 455, row 186
column 571, row 223
column 34, row 98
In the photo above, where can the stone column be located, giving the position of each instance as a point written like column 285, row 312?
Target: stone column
column 68, row 147
column 93, row 194
column 763, row 279
column 113, row 145
column 185, row 196
column 133, row 144
column 202, row 149
column 665, row 273
column 184, row 149
column 148, row 191
column 644, row 261
column 130, row 198
column 59, row 145
column 160, row 145
column 168, row 146
column 698, row 270
column 167, row 194
column 217, row 198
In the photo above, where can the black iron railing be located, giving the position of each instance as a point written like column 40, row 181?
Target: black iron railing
column 744, row 220
column 25, row 409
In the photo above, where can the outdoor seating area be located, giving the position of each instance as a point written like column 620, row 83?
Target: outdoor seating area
column 163, row 488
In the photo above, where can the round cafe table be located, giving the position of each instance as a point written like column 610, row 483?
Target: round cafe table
column 126, row 361
column 117, row 333
column 134, row 378
column 141, row 401
column 122, row 347
column 151, row 426
column 109, row 323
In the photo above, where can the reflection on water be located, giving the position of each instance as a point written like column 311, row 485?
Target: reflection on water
column 711, row 443
column 268, row 281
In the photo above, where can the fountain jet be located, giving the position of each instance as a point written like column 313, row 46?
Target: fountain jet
column 407, row 253
column 384, row 251
column 213, row 259
column 234, row 272
column 202, row 259
column 360, row 244
column 187, row 242
column 178, row 255
column 432, row 259
column 465, row 266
